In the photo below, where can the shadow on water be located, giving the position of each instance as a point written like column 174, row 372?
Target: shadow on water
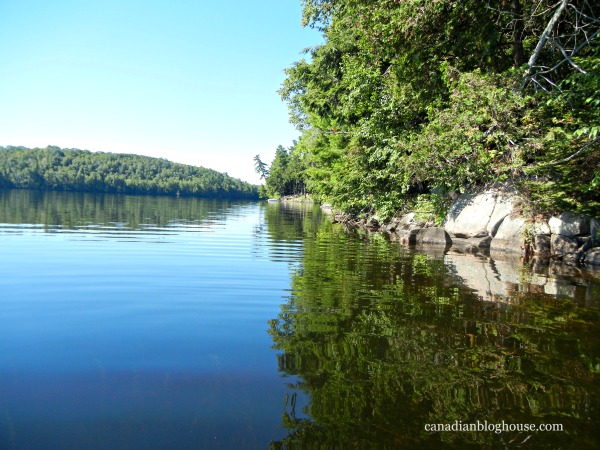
column 385, row 340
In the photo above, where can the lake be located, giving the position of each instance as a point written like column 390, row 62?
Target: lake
column 176, row 323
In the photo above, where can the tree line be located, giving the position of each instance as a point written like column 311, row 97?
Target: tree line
column 406, row 101
column 53, row 168
column 284, row 176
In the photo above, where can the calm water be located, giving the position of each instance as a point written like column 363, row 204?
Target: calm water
column 163, row 323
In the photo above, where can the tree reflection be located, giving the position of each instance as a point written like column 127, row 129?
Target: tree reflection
column 384, row 341
column 74, row 209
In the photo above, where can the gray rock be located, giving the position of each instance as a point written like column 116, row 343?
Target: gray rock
column 573, row 258
column 470, row 214
column 569, row 224
column 372, row 223
column 479, row 214
column 416, row 225
column 405, row 222
column 540, row 228
column 541, row 244
column 560, row 270
column 510, row 236
column 409, row 237
column 595, row 232
column 563, row 245
column 472, row 245
column 388, row 227
column 435, row 236
column 592, row 257
column 585, row 243
column 503, row 207
column 539, row 265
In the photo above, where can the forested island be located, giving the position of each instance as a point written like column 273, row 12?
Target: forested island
column 406, row 102
column 53, row 168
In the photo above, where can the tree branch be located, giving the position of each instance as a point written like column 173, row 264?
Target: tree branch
column 540, row 45
column 574, row 155
column 567, row 57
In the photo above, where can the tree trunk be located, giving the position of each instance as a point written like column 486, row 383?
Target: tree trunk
column 517, row 35
column 540, row 45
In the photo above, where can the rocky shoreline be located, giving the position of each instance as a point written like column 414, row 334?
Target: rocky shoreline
column 491, row 222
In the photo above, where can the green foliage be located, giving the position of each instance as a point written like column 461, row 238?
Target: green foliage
column 54, row 168
column 406, row 98
column 430, row 207
column 260, row 167
column 567, row 162
column 286, row 174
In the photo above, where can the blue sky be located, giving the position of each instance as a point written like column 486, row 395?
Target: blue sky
column 191, row 81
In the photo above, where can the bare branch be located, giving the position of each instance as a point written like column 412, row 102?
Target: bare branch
column 573, row 53
column 567, row 57
column 574, row 155
column 540, row 45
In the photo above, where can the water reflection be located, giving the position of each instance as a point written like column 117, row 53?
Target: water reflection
column 58, row 211
column 137, row 322
column 385, row 340
column 110, row 340
column 502, row 279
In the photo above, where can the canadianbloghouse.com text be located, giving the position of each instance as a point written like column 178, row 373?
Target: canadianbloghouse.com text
column 495, row 427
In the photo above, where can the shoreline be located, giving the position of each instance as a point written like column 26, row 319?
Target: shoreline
column 490, row 223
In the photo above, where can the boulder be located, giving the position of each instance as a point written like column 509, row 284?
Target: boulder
column 510, row 236
column 372, row 223
column 434, row 235
column 585, row 243
column 595, row 232
column 472, row 245
column 569, row 224
column 409, row 237
column 478, row 214
column 502, row 209
column 540, row 228
column 406, row 221
column 592, row 257
column 562, row 245
column 539, row 265
column 541, row 244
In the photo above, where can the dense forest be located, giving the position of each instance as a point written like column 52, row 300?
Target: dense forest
column 407, row 101
column 53, row 168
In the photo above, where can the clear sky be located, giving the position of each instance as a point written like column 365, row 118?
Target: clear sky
column 193, row 81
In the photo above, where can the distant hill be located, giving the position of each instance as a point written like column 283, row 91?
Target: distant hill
column 54, row 168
